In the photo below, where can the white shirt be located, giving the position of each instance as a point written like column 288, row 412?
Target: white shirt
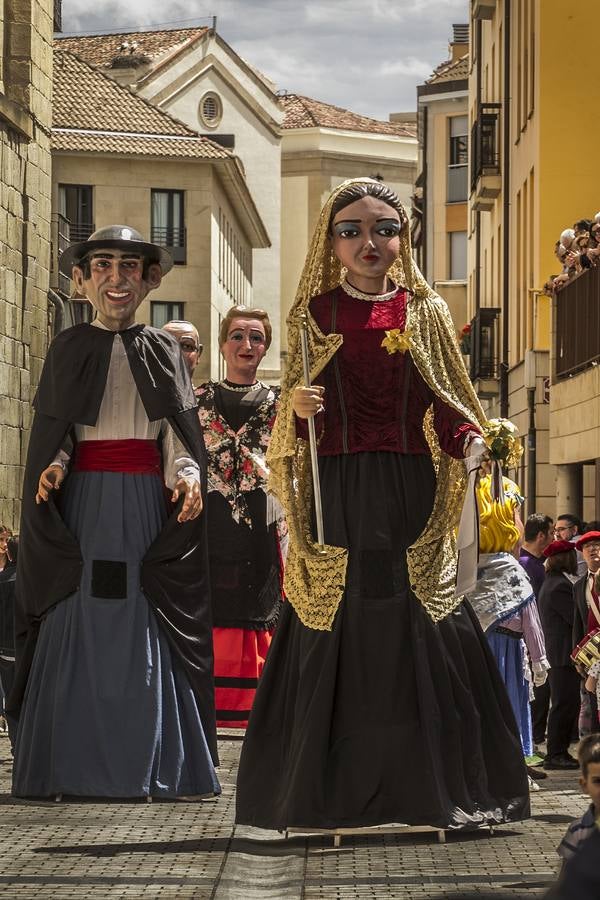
column 122, row 417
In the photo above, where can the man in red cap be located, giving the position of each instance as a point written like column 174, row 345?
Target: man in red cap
column 587, row 607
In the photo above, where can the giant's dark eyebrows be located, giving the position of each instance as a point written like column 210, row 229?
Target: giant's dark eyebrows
column 106, row 254
column 358, row 221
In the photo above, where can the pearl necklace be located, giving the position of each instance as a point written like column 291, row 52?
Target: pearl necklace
column 362, row 295
column 241, row 388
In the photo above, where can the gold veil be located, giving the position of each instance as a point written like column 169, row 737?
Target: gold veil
column 315, row 576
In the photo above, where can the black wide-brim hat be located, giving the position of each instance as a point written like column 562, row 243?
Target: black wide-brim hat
column 114, row 237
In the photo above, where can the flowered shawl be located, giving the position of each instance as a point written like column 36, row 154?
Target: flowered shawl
column 237, row 460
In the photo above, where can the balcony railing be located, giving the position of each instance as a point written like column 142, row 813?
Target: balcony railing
column 485, row 344
column 63, row 234
column 80, row 231
column 577, row 325
column 485, row 157
column 172, row 238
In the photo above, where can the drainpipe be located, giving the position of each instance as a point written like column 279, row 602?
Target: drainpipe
column 505, row 215
column 531, row 453
column 59, row 311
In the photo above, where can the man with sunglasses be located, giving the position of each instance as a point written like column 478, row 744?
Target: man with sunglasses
column 569, row 528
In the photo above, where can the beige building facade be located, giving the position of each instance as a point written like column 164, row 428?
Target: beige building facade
column 440, row 234
column 322, row 145
column 119, row 159
column 25, row 90
column 196, row 78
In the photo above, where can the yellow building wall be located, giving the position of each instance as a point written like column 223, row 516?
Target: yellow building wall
column 569, row 124
column 568, row 176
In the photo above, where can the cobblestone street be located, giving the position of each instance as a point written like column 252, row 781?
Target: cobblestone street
column 192, row 850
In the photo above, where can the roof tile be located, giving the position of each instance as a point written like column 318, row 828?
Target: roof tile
column 101, row 49
column 451, row 71
column 90, row 142
column 86, row 100
column 304, row 112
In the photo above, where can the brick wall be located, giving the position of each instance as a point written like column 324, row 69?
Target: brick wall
column 25, row 192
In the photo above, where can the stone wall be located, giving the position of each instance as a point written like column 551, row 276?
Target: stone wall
column 25, row 119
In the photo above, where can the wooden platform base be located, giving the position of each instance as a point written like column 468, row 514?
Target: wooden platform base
column 374, row 831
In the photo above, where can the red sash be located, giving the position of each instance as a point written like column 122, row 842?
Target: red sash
column 131, row 456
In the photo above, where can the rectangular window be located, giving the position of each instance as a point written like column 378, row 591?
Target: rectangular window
column 458, row 255
column 457, row 159
column 75, row 205
column 163, row 312
column 167, row 223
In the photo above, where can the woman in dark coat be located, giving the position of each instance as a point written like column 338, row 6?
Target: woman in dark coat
column 556, row 606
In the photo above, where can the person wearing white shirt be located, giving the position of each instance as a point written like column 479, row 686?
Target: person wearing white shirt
column 113, row 689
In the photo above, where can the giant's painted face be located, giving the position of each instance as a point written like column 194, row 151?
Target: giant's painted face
column 243, row 349
column 365, row 237
column 116, row 285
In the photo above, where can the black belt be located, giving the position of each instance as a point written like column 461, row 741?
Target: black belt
column 509, row 632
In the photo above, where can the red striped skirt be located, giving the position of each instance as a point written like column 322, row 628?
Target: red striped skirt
column 239, row 660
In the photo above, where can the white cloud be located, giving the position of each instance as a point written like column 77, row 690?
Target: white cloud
column 366, row 55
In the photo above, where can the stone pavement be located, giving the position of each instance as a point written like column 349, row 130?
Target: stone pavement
column 192, row 850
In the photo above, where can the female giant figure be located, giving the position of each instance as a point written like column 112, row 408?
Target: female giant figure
column 380, row 701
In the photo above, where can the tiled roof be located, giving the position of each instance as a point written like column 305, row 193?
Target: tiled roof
column 100, row 49
column 304, row 112
column 451, row 71
column 136, row 145
column 92, row 112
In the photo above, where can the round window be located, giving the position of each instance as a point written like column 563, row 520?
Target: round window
column 211, row 110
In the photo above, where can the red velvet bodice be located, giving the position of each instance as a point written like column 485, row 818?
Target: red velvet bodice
column 375, row 400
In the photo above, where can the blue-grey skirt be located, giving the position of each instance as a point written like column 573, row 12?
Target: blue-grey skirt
column 109, row 712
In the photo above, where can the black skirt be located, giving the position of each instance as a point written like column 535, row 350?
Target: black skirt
column 388, row 717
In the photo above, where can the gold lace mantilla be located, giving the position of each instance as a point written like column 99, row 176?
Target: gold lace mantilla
column 314, row 576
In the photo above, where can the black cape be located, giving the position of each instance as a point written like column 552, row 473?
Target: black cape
column 174, row 571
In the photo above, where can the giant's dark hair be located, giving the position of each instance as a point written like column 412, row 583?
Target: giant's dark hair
column 361, row 189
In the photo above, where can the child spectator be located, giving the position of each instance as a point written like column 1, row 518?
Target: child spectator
column 581, row 829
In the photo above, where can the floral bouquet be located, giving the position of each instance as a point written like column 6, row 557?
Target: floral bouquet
column 502, row 438
column 464, row 339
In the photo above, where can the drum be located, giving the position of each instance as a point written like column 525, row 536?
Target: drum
column 587, row 651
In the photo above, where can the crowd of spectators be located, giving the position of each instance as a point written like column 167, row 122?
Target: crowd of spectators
column 577, row 250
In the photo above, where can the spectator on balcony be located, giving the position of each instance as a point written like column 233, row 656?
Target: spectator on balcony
column 582, row 227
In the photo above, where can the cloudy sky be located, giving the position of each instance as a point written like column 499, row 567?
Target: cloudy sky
column 365, row 55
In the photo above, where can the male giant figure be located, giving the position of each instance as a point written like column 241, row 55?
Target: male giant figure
column 114, row 684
